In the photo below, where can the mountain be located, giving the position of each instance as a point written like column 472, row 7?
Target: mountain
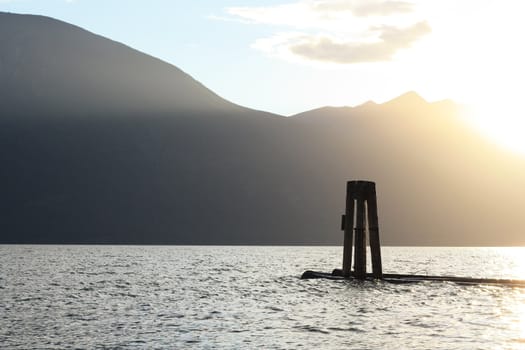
column 100, row 143
column 440, row 182
column 64, row 69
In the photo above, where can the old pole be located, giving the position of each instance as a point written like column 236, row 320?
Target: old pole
column 348, row 227
column 361, row 202
column 360, row 240
column 373, row 229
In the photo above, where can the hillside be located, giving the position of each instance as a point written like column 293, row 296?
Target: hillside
column 64, row 69
column 103, row 144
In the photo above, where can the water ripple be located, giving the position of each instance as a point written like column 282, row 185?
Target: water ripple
column 131, row 297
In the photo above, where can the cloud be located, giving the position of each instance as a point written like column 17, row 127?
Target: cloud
column 365, row 8
column 297, row 15
column 391, row 39
column 336, row 31
column 325, row 14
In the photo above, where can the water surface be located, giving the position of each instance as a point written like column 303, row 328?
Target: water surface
column 209, row 297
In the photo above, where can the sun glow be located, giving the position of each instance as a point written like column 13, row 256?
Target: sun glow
column 474, row 56
column 500, row 121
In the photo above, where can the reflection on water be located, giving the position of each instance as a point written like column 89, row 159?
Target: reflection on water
column 251, row 297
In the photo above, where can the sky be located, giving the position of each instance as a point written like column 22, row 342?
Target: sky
column 289, row 56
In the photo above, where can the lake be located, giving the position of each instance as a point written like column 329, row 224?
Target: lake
column 250, row 297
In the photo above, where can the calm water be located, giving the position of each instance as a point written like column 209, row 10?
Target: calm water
column 177, row 297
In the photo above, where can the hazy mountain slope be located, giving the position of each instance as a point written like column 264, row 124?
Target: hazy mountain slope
column 100, row 143
column 63, row 68
column 439, row 181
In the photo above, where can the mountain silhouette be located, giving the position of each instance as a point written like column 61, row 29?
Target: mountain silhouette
column 62, row 68
column 100, row 143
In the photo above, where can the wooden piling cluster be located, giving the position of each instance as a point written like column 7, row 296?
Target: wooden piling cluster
column 359, row 219
column 359, row 222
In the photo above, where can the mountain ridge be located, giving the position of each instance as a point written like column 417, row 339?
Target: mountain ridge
column 65, row 49
column 122, row 149
column 405, row 99
column 409, row 95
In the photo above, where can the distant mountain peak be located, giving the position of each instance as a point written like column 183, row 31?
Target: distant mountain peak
column 409, row 97
column 368, row 103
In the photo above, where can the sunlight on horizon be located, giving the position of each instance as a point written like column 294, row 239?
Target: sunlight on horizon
column 474, row 57
column 516, row 261
column 502, row 122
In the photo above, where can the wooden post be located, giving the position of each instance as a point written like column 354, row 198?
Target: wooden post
column 373, row 229
column 360, row 241
column 348, row 227
column 358, row 195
